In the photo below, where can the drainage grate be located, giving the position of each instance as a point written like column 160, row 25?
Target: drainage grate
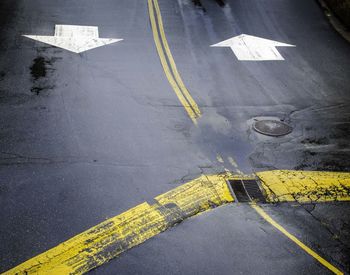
column 254, row 191
column 239, row 191
column 247, row 191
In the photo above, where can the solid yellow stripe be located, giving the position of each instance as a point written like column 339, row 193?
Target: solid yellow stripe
column 201, row 194
column 308, row 250
column 166, row 68
column 109, row 239
column 305, row 186
column 98, row 244
column 172, row 62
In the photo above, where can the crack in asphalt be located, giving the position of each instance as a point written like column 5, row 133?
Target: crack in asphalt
column 22, row 159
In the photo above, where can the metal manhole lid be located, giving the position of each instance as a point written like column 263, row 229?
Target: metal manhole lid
column 273, row 128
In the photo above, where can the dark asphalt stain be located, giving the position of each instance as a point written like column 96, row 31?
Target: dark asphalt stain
column 36, row 90
column 3, row 190
column 323, row 161
column 2, row 76
column 199, row 4
column 221, row 3
column 38, row 69
column 316, row 141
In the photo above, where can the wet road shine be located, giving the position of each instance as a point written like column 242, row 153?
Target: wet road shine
column 90, row 136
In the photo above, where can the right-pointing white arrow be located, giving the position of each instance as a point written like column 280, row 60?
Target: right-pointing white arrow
column 252, row 48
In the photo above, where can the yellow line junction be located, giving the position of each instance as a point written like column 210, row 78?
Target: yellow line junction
column 114, row 236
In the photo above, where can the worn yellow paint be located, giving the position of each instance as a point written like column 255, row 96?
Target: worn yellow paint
column 201, row 194
column 219, row 158
column 112, row 237
column 109, row 239
column 172, row 74
column 305, row 186
column 233, row 162
column 308, row 250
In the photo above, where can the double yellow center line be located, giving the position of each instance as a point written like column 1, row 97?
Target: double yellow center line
column 168, row 62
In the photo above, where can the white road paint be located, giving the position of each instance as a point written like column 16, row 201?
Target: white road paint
column 74, row 38
column 252, row 48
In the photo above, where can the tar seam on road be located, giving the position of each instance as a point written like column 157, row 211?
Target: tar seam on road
column 114, row 236
column 308, row 250
column 167, row 60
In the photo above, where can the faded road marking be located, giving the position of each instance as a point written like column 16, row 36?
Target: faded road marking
column 308, row 250
column 305, row 186
column 165, row 55
column 112, row 237
column 233, row 162
column 219, row 158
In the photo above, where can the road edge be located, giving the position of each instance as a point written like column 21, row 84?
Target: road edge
column 334, row 21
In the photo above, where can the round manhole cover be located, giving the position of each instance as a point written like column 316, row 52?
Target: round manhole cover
column 273, row 128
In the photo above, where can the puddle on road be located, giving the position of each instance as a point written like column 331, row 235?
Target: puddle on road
column 221, row 3
column 198, row 4
column 39, row 71
column 2, row 75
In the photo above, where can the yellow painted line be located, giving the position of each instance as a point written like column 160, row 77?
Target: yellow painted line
column 219, row 158
column 305, row 186
column 235, row 165
column 172, row 62
column 112, row 237
column 233, row 162
column 177, row 84
column 308, row 250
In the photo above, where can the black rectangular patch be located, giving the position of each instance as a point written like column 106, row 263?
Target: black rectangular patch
column 252, row 188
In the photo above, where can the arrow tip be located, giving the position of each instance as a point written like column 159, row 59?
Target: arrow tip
column 255, row 39
column 246, row 39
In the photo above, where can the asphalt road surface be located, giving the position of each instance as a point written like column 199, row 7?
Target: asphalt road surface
column 85, row 136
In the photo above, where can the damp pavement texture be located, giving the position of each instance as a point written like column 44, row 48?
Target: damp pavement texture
column 84, row 137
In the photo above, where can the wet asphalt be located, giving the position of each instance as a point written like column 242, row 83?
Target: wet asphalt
column 84, row 137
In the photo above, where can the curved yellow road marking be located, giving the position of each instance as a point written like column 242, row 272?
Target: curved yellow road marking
column 172, row 62
column 112, row 237
column 177, row 84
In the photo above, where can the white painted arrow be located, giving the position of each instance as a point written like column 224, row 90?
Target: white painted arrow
column 252, row 48
column 74, row 38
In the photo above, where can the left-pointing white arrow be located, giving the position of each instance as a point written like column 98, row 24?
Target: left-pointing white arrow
column 74, row 38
